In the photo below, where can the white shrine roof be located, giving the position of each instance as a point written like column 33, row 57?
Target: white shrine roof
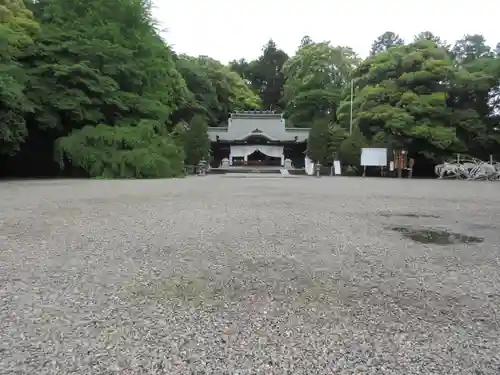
column 266, row 124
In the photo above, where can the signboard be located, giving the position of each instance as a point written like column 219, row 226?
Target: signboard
column 374, row 157
column 337, row 168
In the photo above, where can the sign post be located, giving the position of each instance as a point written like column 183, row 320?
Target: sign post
column 373, row 157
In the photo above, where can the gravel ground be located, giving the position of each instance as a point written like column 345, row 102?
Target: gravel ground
column 218, row 275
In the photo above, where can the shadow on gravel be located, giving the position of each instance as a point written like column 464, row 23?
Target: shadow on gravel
column 436, row 237
column 414, row 215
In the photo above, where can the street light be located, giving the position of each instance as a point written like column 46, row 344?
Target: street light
column 352, row 97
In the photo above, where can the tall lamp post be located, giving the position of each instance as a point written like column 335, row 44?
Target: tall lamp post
column 352, row 98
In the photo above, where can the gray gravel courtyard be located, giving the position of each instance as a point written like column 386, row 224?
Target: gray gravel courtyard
column 265, row 275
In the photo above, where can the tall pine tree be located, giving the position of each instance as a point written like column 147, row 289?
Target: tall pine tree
column 196, row 141
column 318, row 144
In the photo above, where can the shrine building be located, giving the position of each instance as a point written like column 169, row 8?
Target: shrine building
column 258, row 138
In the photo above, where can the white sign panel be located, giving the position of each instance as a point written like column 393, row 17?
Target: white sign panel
column 337, row 168
column 374, row 157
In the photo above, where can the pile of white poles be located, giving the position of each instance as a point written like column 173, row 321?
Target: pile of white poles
column 469, row 169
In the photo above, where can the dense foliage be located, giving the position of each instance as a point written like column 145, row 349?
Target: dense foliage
column 91, row 88
column 426, row 96
column 194, row 140
column 125, row 151
column 103, row 96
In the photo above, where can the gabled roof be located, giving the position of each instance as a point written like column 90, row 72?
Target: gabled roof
column 268, row 125
column 257, row 133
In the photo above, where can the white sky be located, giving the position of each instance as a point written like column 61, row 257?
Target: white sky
column 232, row 29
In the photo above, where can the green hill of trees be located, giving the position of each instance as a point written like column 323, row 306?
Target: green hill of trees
column 89, row 88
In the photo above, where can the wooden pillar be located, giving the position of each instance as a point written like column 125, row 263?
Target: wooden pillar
column 399, row 161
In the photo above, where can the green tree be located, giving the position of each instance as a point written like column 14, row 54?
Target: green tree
column 114, row 72
column 404, row 93
column 217, row 89
column 427, row 35
column 195, row 141
column 202, row 98
column 385, row 41
column 350, row 149
column 318, row 143
column 306, row 40
column 244, row 70
column 474, row 96
column 265, row 75
column 240, row 97
column 336, row 135
column 17, row 30
column 88, row 88
column 324, row 141
column 471, row 47
column 315, row 80
column 85, row 72
column 122, row 152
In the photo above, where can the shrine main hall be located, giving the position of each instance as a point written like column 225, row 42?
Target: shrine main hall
column 258, row 138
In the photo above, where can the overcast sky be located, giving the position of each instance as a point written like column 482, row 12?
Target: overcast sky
column 232, row 29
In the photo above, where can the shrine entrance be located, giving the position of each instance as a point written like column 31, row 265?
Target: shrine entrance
column 256, row 155
column 260, row 159
column 258, row 138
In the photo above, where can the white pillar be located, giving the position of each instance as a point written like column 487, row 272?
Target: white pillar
column 283, row 160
